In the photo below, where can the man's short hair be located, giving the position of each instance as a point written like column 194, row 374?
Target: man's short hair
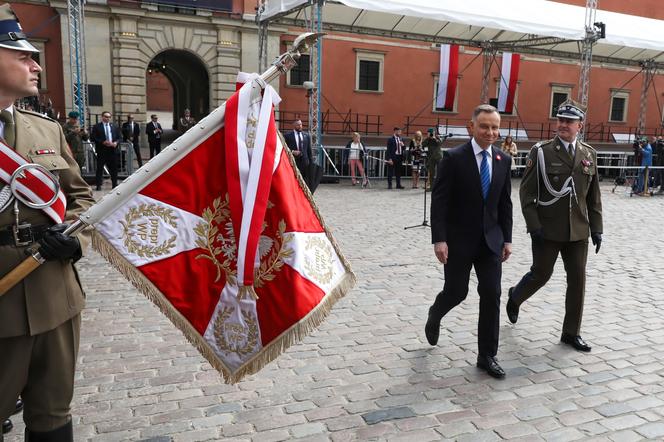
column 106, row 112
column 153, row 116
column 396, row 128
column 483, row 108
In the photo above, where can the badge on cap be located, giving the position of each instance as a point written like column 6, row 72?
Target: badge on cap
column 11, row 34
column 572, row 110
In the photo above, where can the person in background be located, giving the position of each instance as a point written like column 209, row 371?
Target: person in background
column 75, row 135
column 356, row 152
column 433, row 148
column 299, row 142
column 646, row 163
column 509, row 147
column 186, row 121
column 131, row 132
column 415, row 150
column 106, row 136
column 154, row 131
column 395, row 152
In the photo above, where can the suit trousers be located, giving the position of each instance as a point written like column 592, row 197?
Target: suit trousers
column 488, row 267
column 41, row 370
column 395, row 170
column 107, row 156
column 155, row 147
column 545, row 254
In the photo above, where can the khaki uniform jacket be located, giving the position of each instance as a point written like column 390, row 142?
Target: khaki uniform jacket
column 52, row 294
column 560, row 221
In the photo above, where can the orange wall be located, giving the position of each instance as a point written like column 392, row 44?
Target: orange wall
column 159, row 92
column 408, row 87
column 36, row 17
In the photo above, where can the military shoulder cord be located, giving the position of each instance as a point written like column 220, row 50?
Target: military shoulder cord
column 566, row 189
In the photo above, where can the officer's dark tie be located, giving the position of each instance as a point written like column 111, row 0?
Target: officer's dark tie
column 570, row 150
column 10, row 128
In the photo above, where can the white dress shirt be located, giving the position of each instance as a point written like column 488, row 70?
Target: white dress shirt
column 477, row 150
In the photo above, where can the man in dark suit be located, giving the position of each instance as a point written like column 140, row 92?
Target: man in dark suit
column 299, row 142
column 395, row 150
column 106, row 135
column 471, row 226
column 132, row 132
column 153, row 130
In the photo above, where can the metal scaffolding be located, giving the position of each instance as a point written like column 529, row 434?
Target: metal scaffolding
column 315, row 68
column 649, row 70
column 76, row 37
column 592, row 35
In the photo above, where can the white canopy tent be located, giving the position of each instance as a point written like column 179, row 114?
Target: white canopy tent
column 557, row 28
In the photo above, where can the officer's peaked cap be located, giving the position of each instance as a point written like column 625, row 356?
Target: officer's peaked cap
column 571, row 109
column 11, row 33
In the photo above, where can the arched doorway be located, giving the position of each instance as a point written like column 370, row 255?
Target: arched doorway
column 189, row 81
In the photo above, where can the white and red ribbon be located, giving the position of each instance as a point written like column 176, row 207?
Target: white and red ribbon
column 509, row 77
column 33, row 185
column 447, row 79
column 249, row 171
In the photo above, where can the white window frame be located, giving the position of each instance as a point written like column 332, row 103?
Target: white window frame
column 567, row 90
column 454, row 110
column 516, row 97
column 361, row 55
column 619, row 93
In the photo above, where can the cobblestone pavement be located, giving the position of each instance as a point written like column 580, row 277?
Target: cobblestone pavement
column 368, row 373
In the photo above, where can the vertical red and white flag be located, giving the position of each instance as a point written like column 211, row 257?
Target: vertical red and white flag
column 447, row 78
column 225, row 238
column 509, row 76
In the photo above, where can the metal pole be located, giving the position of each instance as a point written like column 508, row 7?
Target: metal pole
column 649, row 69
column 488, row 52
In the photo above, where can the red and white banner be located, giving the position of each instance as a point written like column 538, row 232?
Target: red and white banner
column 226, row 241
column 447, row 79
column 509, row 76
column 32, row 184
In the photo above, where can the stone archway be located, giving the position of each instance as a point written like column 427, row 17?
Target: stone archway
column 189, row 79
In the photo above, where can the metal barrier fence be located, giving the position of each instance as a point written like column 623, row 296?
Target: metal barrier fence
column 125, row 158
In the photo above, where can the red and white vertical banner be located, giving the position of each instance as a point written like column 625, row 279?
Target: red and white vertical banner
column 509, row 76
column 225, row 239
column 447, row 79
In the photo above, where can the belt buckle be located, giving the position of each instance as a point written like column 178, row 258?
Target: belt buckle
column 22, row 234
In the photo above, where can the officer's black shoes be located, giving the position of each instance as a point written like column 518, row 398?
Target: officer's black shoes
column 575, row 341
column 511, row 307
column 19, row 406
column 63, row 434
column 490, row 365
column 7, row 427
column 432, row 329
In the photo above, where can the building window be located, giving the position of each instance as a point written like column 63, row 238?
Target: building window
column 435, row 94
column 300, row 73
column 559, row 94
column 618, row 112
column 369, row 72
column 494, row 101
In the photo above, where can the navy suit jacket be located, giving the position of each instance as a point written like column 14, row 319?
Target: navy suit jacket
column 392, row 148
column 99, row 134
column 305, row 158
column 459, row 214
column 128, row 135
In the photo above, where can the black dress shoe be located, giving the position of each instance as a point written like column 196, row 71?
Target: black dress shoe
column 575, row 341
column 19, row 406
column 432, row 329
column 511, row 307
column 490, row 365
column 400, row 187
column 7, row 426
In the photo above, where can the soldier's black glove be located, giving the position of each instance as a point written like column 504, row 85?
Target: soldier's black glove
column 537, row 235
column 54, row 245
column 597, row 240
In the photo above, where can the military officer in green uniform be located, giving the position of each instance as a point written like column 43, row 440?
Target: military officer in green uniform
column 40, row 316
column 434, row 152
column 75, row 135
column 562, row 206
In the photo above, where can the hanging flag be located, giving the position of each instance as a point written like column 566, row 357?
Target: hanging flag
column 225, row 239
column 509, row 76
column 447, row 78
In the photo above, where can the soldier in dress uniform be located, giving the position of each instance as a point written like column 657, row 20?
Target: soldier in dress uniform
column 39, row 316
column 561, row 203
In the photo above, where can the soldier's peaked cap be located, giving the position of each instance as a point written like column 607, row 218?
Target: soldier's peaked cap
column 571, row 109
column 11, row 33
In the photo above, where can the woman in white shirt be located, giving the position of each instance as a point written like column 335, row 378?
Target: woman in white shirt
column 356, row 151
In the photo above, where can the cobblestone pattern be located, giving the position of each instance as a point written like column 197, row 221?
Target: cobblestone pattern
column 368, row 373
